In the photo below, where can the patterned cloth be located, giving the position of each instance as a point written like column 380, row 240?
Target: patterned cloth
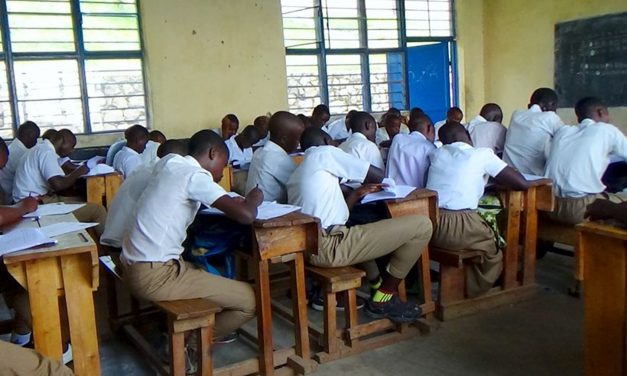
column 489, row 208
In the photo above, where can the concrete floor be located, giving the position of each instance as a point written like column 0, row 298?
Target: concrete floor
column 542, row 336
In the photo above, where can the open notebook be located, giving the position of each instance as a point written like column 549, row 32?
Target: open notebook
column 390, row 191
column 267, row 209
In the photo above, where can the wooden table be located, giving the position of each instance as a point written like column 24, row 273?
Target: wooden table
column 101, row 189
column 605, row 305
column 70, row 269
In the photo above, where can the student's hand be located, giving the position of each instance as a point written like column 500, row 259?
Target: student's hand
column 29, row 204
column 255, row 196
column 366, row 189
column 82, row 169
column 600, row 209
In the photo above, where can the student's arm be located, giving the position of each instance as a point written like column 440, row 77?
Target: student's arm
column 62, row 182
column 10, row 214
column 511, row 178
column 69, row 167
column 385, row 144
column 356, row 195
column 604, row 209
column 243, row 211
column 375, row 175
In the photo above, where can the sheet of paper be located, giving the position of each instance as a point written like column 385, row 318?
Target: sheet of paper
column 401, row 191
column 53, row 209
column 23, row 238
column 94, row 161
column 389, row 185
column 100, row 169
column 266, row 210
column 530, row 177
column 61, row 228
column 108, row 262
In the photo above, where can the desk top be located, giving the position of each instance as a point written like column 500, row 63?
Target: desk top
column 72, row 243
column 290, row 219
column 602, row 229
column 416, row 194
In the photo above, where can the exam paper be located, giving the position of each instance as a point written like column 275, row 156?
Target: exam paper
column 399, row 191
column 23, row 238
column 61, row 228
column 266, row 210
column 99, row 169
column 53, row 209
column 94, row 161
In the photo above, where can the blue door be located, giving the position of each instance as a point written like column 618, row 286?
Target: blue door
column 429, row 80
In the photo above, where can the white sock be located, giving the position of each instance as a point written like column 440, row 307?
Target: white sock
column 20, row 339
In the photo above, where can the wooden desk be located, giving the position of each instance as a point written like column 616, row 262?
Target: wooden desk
column 227, row 178
column 70, row 269
column 101, row 189
column 605, row 306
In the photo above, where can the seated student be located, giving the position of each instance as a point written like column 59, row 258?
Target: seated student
column 320, row 116
column 114, row 149
column 241, row 146
column 130, row 156
column 155, row 139
column 339, row 129
column 151, row 257
column 361, row 142
column 39, row 175
column 271, row 166
column 27, row 135
column 530, row 132
column 390, row 126
column 261, row 123
column 229, row 126
column 314, row 186
column 306, row 120
column 459, row 173
column 408, row 159
column 16, row 360
column 578, row 158
column 453, row 114
column 603, row 209
column 121, row 210
column 486, row 130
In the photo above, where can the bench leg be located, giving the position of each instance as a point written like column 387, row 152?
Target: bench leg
column 330, row 323
column 350, row 315
column 452, row 285
column 204, row 351
column 177, row 354
column 575, row 290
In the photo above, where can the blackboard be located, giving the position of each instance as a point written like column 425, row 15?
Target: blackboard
column 591, row 60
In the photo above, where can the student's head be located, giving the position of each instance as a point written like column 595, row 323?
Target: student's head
column 306, row 120
column 592, row 108
column 544, row 97
column 230, row 125
column 415, row 112
column 28, row 133
column 320, row 115
column 136, row 138
column 454, row 114
column 392, row 124
column 210, row 151
column 4, row 154
column 394, row 111
column 248, row 137
column 314, row 137
column 172, row 147
column 452, row 132
column 492, row 112
column 423, row 124
column 362, row 122
column 285, row 130
column 262, row 124
column 48, row 134
column 347, row 119
column 157, row 136
column 64, row 142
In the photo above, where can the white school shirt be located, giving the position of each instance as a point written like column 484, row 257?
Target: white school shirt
column 382, row 134
column 119, row 214
column 337, row 129
column 113, row 150
column 459, row 173
column 359, row 146
column 237, row 154
column 262, row 142
column 488, row 134
column 126, row 160
column 37, row 166
column 149, row 155
column 270, row 168
column 315, row 184
column 408, row 159
column 175, row 191
column 471, row 124
column 7, row 174
column 580, row 155
column 528, row 139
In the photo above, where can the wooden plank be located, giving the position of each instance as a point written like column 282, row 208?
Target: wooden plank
column 530, row 236
column 512, row 237
column 226, row 182
column 264, row 318
column 251, row 366
column 330, row 323
column 602, row 230
column 299, row 300
column 188, row 308
column 177, row 354
column 204, row 351
column 96, row 189
column 275, row 242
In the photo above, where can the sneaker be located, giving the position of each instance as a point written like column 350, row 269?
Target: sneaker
column 318, row 303
column 229, row 338
column 67, row 355
column 191, row 361
column 395, row 310
column 20, row 339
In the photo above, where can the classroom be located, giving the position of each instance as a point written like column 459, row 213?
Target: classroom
column 296, row 187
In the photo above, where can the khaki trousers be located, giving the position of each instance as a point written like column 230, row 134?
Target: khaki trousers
column 88, row 213
column 177, row 279
column 18, row 361
column 466, row 230
column 404, row 238
column 571, row 210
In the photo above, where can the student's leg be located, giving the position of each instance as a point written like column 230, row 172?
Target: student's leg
column 181, row 280
column 16, row 360
column 570, row 211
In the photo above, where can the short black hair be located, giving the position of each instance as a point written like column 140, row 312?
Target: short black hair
column 586, row 107
column 28, row 129
column 419, row 123
column 394, row 110
column 251, row 133
column 232, row 118
column 452, row 131
column 320, row 110
column 204, row 140
column 358, row 120
column 172, row 147
column 136, row 132
column 67, row 135
column 313, row 136
column 49, row 133
column 454, row 110
column 154, row 135
column 492, row 112
column 277, row 122
column 543, row 96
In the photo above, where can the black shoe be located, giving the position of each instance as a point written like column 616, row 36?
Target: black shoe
column 395, row 310
column 318, row 303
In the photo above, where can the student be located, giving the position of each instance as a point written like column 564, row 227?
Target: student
column 271, row 166
column 530, row 132
column 314, row 186
column 486, row 130
column 121, row 210
column 151, row 257
column 241, row 146
column 16, row 360
column 453, row 114
column 229, row 126
column 261, row 123
column 155, row 139
column 408, row 159
column 415, row 111
column 115, row 148
column 339, row 129
column 27, row 135
column 459, row 173
column 391, row 127
column 578, row 158
column 361, row 142
column 306, row 120
column 39, row 175
column 320, row 116
column 127, row 159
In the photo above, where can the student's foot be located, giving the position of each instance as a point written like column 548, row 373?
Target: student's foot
column 21, row 339
column 191, row 362
column 318, row 303
column 229, row 338
column 67, row 354
column 395, row 310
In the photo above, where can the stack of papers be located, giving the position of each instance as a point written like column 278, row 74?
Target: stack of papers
column 267, row 210
column 53, row 209
column 23, row 238
column 61, row 228
column 100, row 169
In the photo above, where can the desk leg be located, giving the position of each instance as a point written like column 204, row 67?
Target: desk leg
column 510, row 257
column 530, row 237
column 424, row 277
column 264, row 319
column 77, row 281
column 44, row 306
column 299, row 300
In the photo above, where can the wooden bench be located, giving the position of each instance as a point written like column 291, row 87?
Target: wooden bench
column 451, row 277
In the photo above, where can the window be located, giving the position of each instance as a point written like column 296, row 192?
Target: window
column 71, row 64
column 350, row 54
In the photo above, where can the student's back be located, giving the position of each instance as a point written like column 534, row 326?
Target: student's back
column 408, row 159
